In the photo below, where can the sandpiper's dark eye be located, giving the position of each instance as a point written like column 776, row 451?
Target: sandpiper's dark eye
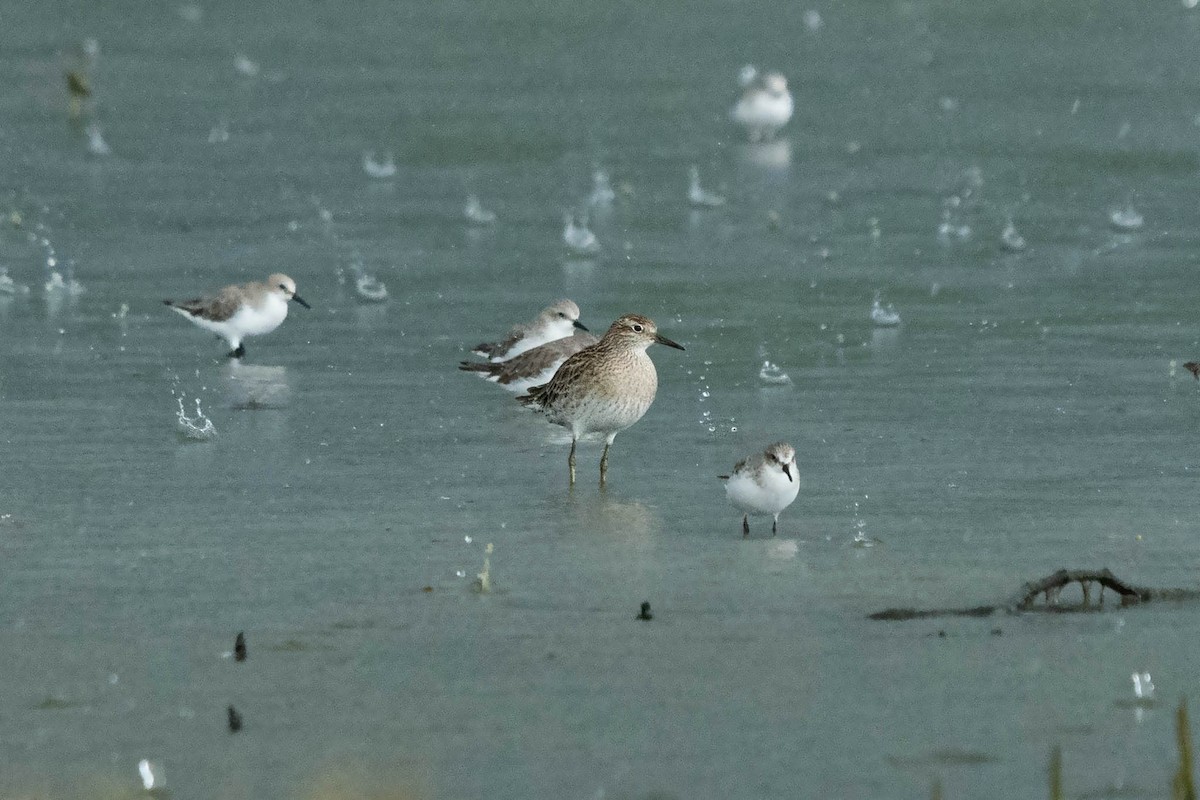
column 283, row 286
column 637, row 328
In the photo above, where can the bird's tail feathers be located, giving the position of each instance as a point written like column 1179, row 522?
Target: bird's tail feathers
column 475, row 366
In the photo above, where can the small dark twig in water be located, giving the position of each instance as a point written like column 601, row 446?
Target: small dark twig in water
column 1194, row 368
column 239, row 647
column 1050, row 588
column 645, row 613
column 235, row 720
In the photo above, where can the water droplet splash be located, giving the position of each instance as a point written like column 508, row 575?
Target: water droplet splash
column 483, row 581
column 151, row 774
column 10, row 287
column 1143, row 686
column 884, row 316
column 772, row 375
column 96, row 145
column 476, row 214
column 602, row 194
column 245, row 66
column 376, row 168
column 1126, row 219
column 698, row 195
column 195, row 429
column 1010, row 239
column 219, row 133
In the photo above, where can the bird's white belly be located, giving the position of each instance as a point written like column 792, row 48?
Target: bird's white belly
column 749, row 497
column 256, row 321
column 599, row 414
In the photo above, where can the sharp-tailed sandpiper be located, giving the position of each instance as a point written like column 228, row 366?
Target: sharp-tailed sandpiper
column 603, row 388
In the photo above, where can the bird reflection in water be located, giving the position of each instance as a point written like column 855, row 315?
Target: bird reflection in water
column 250, row 386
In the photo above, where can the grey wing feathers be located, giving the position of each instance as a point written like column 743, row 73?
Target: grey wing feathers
column 496, row 349
column 218, row 309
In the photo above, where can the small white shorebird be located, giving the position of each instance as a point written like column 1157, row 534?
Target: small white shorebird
column 241, row 310
column 604, row 388
column 765, row 105
column 763, row 484
column 578, row 238
column 555, row 322
column 533, row 367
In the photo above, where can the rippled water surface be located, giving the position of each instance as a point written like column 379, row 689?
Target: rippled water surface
column 1023, row 416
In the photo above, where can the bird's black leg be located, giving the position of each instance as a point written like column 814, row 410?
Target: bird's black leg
column 745, row 525
column 774, row 525
column 238, row 353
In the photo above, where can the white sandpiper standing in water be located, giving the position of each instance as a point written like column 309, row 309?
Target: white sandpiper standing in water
column 765, row 105
column 763, row 484
column 533, row 367
column 555, row 322
column 604, row 388
column 241, row 310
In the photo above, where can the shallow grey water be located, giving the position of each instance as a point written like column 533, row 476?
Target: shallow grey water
column 1022, row 418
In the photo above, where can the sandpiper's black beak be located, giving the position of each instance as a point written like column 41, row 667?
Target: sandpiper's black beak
column 300, row 300
column 658, row 337
column 579, row 325
column 787, row 471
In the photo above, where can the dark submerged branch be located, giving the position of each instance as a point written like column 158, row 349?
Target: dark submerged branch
column 1050, row 589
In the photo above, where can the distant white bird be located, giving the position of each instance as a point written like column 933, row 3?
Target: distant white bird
column 602, row 192
column 764, row 484
column 698, row 195
column 577, row 237
column 1010, row 239
column 378, row 169
column 476, row 214
column 765, row 105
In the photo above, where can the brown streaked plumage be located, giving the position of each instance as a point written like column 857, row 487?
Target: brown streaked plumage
column 532, row 367
column 554, row 322
column 604, row 388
